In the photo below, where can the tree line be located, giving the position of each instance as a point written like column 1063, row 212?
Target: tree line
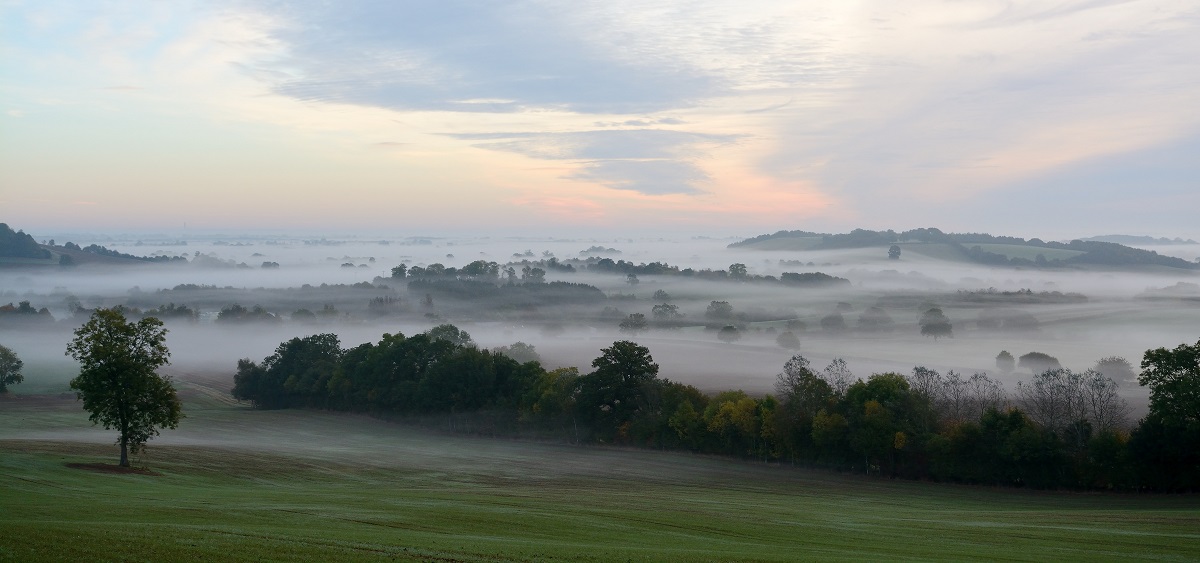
column 1062, row 429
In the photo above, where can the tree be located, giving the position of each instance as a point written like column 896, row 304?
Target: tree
column 533, row 275
column 1005, row 361
column 719, row 311
column 118, row 380
column 875, row 319
column 729, row 334
column 634, row 323
column 631, row 279
column 788, row 339
column 737, row 271
column 666, row 312
column 934, row 323
column 1173, row 377
column 1038, row 362
column 10, row 368
column 894, row 252
column 1116, row 368
column 452, row 334
column 520, row 352
column 612, row 394
column 400, row 272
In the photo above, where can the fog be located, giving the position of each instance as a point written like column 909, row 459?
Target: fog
column 1078, row 316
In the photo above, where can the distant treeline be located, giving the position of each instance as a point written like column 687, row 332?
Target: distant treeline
column 535, row 272
column 1063, row 430
column 968, row 244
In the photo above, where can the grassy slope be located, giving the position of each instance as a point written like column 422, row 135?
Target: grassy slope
column 236, row 484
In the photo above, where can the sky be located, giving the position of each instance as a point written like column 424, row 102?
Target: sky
column 1047, row 118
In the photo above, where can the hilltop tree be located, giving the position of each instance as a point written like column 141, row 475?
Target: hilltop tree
column 10, row 368
column 118, row 380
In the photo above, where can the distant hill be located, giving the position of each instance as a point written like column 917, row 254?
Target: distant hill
column 976, row 247
column 17, row 244
column 18, row 249
column 1138, row 240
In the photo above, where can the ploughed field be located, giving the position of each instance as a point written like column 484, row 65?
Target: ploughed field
column 237, row 484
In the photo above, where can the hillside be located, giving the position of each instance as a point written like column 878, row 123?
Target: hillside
column 980, row 248
column 18, row 244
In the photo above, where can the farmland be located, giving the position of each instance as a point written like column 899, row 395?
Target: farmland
column 239, row 484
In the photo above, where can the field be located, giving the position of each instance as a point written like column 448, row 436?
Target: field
column 1028, row 252
column 242, row 485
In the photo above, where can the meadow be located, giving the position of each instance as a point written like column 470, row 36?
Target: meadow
column 238, row 484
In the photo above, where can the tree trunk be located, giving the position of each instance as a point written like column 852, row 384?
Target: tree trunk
column 124, row 454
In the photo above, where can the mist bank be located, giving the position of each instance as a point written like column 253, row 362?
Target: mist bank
column 872, row 320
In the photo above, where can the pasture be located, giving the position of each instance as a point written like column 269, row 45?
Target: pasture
column 243, row 485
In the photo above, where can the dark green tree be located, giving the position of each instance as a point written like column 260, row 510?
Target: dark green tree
column 894, row 252
column 10, row 368
column 1173, row 377
column 610, row 396
column 118, row 380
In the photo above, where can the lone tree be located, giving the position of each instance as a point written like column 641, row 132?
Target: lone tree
column 934, row 323
column 729, row 334
column 10, row 369
column 894, row 252
column 118, row 380
column 1005, row 361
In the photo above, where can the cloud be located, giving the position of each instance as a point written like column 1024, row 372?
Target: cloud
column 451, row 54
column 650, row 161
column 651, row 177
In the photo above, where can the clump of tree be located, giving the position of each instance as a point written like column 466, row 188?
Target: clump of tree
column 1065, row 430
column 1038, row 362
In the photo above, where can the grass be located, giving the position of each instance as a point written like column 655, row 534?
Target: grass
column 1028, row 252
column 241, row 485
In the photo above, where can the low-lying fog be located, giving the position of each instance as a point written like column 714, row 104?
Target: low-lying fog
column 1076, row 316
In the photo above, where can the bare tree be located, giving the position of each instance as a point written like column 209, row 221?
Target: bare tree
column 1106, row 409
column 1054, row 398
column 984, row 393
column 838, row 376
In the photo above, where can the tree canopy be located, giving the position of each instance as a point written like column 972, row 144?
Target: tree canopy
column 10, row 368
column 118, row 380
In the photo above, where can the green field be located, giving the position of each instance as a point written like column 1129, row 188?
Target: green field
column 1027, row 252
column 235, row 484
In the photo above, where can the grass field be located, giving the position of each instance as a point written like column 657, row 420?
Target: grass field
column 1027, row 252
column 235, row 484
